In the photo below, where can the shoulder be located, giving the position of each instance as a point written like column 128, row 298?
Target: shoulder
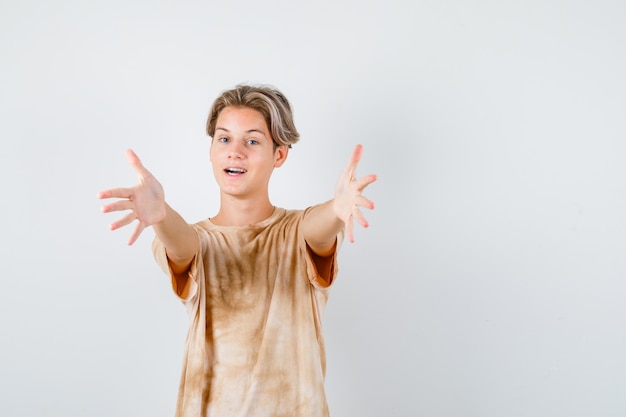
column 291, row 215
column 202, row 224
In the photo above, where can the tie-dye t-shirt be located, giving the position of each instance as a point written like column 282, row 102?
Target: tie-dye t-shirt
column 255, row 302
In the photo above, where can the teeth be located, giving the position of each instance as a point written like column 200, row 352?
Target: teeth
column 235, row 170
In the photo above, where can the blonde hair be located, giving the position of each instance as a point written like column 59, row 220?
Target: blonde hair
column 270, row 102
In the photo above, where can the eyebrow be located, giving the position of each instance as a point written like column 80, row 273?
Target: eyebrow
column 247, row 131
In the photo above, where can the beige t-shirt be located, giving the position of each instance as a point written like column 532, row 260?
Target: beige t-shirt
column 255, row 345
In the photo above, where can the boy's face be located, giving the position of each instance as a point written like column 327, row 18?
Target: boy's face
column 243, row 154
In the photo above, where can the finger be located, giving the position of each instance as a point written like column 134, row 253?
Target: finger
column 349, row 229
column 359, row 218
column 363, row 182
column 356, row 155
column 118, row 206
column 135, row 162
column 365, row 202
column 115, row 193
column 354, row 161
column 124, row 221
column 136, row 232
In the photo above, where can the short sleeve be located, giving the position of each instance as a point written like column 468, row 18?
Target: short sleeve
column 313, row 274
column 195, row 270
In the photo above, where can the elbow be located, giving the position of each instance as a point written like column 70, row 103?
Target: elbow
column 323, row 249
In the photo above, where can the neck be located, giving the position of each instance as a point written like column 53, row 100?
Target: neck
column 236, row 212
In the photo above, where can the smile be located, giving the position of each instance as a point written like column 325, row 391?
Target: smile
column 235, row 171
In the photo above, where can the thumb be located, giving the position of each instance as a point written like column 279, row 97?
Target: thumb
column 135, row 162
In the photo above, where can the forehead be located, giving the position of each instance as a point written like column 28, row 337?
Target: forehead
column 240, row 118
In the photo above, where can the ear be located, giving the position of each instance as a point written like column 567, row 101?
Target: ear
column 280, row 155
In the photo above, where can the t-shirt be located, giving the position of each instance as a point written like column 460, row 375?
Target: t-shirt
column 255, row 302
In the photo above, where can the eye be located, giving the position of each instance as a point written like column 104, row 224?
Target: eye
column 223, row 140
column 252, row 142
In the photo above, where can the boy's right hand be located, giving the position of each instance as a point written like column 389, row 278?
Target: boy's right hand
column 146, row 200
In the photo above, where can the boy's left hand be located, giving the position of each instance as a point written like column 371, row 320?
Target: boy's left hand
column 348, row 197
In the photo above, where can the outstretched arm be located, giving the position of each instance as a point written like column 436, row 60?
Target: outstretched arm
column 321, row 226
column 146, row 202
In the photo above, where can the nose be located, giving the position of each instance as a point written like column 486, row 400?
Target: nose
column 236, row 150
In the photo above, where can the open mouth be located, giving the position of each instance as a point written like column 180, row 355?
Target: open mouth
column 235, row 171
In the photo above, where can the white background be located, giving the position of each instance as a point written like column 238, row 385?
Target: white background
column 492, row 279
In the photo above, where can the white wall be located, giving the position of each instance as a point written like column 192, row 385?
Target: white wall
column 491, row 281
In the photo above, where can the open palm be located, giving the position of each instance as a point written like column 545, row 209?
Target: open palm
column 146, row 200
column 348, row 198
